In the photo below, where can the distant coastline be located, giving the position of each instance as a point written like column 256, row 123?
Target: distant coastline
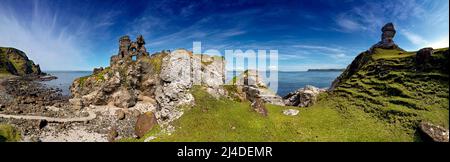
column 313, row 70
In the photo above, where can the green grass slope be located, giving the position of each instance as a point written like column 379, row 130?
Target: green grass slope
column 227, row 120
column 390, row 87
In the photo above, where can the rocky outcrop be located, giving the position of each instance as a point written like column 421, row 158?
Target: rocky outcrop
column 250, row 86
column 259, row 107
column 16, row 62
column 433, row 133
column 423, row 55
column 303, row 97
column 163, row 79
column 119, row 84
column 387, row 37
column 424, row 59
column 180, row 71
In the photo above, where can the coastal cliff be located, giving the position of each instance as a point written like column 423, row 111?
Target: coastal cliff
column 16, row 62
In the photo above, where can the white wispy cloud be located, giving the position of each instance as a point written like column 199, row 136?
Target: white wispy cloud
column 55, row 40
column 421, row 42
column 420, row 23
column 325, row 48
column 51, row 48
column 413, row 38
column 370, row 16
column 346, row 24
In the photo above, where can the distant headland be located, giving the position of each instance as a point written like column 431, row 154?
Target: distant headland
column 312, row 70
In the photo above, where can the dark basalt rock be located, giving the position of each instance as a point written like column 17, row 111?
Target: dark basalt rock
column 97, row 70
column 423, row 55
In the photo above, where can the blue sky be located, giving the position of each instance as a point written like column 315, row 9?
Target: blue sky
column 83, row 34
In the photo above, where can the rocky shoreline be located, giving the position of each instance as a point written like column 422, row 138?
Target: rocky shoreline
column 42, row 113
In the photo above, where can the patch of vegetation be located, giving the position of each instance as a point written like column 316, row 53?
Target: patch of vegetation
column 4, row 74
column 156, row 131
column 204, row 57
column 390, row 53
column 206, row 63
column 234, row 80
column 8, row 133
column 82, row 80
column 101, row 75
column 156, row 61
column 19, row 65
column 3, row 69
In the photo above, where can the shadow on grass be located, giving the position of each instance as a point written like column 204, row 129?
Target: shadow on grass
column 2, row 139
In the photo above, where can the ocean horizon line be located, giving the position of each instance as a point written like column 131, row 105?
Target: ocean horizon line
column 226, row 71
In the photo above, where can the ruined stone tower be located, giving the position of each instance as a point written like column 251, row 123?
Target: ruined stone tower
column 129, row 50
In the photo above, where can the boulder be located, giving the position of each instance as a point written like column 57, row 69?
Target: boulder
column 253, row 86
column 113, row 134
column 77, row 103
column 120, row 114
column 42, row 123
column 434, row 133
column 259, row 107
column 290, row 112
column 145, row 123
column 303, row 97
column 423, row 55
column 124, row 98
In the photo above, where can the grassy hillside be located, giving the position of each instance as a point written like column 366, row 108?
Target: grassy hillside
column 15, row 62
column 391, row 88
column 381, row 101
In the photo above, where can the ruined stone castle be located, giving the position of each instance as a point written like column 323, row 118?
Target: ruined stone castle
column 129, row 50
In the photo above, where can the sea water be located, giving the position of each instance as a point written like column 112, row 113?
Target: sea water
column 287, row 81
column 291, row 81
column 65, row 79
